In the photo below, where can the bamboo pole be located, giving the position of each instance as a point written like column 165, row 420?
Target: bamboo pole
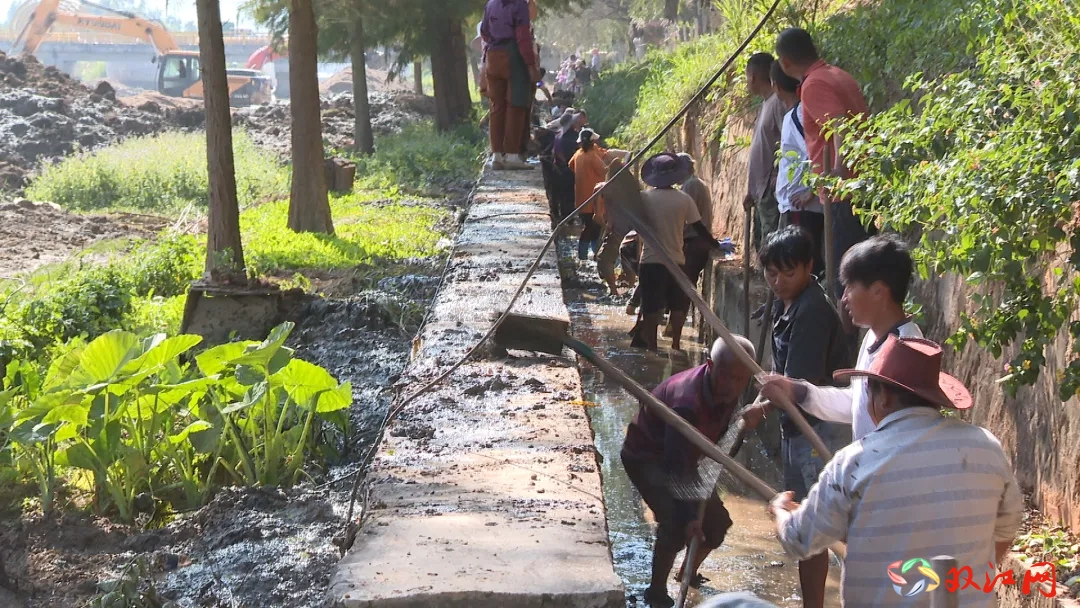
column 830, row 253
column 684, row 428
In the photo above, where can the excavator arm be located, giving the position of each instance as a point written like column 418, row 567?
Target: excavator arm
column 48, row 13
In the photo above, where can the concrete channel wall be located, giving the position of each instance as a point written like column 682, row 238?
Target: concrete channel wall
column 486, row 491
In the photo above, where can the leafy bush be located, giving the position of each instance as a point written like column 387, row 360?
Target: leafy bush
column 130, row 413
column 162, row 173
column 420, row 157
column 989, row 165
column 89, row 303
column 612, row 98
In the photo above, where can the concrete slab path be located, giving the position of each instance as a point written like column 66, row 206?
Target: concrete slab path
column 486, row 491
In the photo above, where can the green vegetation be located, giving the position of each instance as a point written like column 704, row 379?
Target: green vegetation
column 161, row 173
column 975, row 135
column 142, row 286
column 145, row 425
column 989, row 156
column 98, row 402
column 419, row 159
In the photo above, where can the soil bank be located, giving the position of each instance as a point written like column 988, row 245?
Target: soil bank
column 486, row 492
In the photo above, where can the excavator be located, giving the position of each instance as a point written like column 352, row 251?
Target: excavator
column 178, row 73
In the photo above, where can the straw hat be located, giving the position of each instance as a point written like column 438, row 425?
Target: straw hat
column 914, row 365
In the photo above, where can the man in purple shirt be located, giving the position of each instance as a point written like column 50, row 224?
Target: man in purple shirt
column 656, row 457
column 512, row 70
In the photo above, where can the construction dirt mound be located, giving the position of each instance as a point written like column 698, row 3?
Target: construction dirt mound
column 45, row 114
column 270, row 126
column 38, row 234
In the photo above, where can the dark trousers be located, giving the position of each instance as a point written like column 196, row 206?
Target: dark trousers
column 848, row 231
column 590, row 236
column 547, row 168
column 696, row 250
column 564, row 189
column 670, row 529
column 508, row 123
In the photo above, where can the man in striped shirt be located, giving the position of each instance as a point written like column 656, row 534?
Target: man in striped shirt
column 919, row 486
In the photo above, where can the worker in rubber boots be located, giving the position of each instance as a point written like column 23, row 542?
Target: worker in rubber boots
column 657, row 459
column 511, row 68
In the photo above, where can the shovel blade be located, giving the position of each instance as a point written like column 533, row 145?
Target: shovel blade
column 538, row 334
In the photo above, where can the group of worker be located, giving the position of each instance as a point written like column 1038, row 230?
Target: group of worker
column 913, row 482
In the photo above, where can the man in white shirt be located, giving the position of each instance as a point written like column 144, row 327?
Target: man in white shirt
column 876, row 275
column 797, row 203
column 919, row 486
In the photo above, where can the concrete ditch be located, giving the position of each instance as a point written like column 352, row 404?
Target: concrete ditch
column 486, row 491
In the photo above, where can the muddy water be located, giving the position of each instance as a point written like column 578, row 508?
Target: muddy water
column 750, row 559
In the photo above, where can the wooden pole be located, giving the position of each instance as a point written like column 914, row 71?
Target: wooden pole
column 830, row 254
column 647, row 235
column 747, row 240
column 677, row 422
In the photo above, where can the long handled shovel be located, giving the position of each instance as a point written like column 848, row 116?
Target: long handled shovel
column 523, row 332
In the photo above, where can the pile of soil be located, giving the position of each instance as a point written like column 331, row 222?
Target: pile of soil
column 37, row 234
column 46, row 114
column 270, row 126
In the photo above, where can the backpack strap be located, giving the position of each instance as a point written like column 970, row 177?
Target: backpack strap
column 798, row 121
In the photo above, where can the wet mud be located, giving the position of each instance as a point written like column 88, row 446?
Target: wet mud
column 750, row 559
column 248, row 547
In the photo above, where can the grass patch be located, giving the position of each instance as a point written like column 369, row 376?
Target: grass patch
column 140, row 286
column 366, row 234
column 162, row 173
column 419, row 159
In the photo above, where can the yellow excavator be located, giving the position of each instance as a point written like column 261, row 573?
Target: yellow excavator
column 178, row 73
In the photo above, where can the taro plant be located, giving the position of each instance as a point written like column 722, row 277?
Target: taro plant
column 139, row 420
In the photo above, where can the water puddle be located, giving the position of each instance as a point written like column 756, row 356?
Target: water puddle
column 750, row 558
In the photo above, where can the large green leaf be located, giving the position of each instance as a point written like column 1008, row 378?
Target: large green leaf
column 79, row 456
column 31, row 433
column 261, row 355
column 75, row 413
column 61, row 368
column 303, row 381
column 214, row 360
column 194, row 427
column 159, row 353
column 104, row 358
column 253, row 396
column 335, row 399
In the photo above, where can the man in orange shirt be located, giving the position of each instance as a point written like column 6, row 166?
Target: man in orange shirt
column 827, row 94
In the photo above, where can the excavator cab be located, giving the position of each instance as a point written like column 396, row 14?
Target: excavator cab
column 177, row 72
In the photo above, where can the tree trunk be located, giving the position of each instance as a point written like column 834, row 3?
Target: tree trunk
column 450, row 69
column 671, row 10
column 309, row 205
column 363, row 139
column 224, row 252
column 418, row 77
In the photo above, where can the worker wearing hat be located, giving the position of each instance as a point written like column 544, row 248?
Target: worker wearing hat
column 920, row 485
column 669, row 212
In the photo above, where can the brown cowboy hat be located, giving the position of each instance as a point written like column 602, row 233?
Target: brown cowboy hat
column 914, row 364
